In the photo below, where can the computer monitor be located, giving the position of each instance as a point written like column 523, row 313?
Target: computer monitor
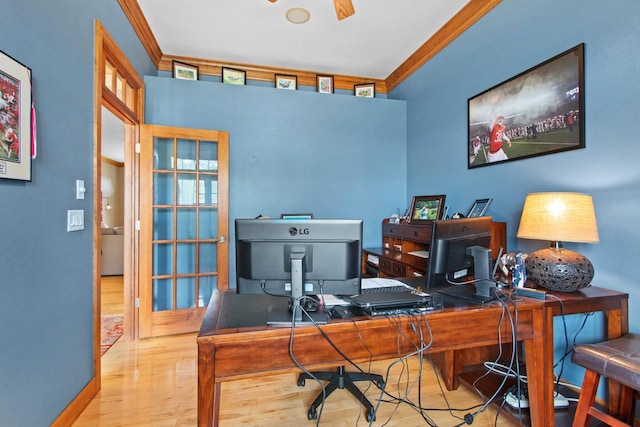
column 460, row 255
column 294, row 258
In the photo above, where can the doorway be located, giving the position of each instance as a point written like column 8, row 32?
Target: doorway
column 112, row 222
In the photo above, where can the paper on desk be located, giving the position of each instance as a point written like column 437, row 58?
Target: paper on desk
column 421, row 254
column 331, row 300
column 381, row 282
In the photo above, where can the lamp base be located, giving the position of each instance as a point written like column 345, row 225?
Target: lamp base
column 559, row 269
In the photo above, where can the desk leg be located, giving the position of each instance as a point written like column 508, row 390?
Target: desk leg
column 617, row 325
column 539, row 360
column 208, row 389
column 451, row 367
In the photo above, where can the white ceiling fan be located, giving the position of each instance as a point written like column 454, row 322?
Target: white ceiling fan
column 344, row 8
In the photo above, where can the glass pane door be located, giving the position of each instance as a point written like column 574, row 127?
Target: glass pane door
column 188, row 225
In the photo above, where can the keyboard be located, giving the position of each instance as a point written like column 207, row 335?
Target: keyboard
column 385, row 289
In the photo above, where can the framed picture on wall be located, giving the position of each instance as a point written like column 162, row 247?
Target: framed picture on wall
column 365, row 90
column 184, row 71
column 324, row 84
column 286, row 82
column 15, row 104
column 537, row 112
column 234, row 77
column 426, row 208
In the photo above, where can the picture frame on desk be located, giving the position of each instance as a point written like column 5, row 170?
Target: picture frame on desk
column 539, row 111
column 426, row 208
column 479, row 207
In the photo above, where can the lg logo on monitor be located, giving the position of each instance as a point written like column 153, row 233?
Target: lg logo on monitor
column 294, row 231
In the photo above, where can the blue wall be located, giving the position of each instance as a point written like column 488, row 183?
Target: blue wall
column 512, row 38
column 334, row 155
column 356, row 163
column 46, row 274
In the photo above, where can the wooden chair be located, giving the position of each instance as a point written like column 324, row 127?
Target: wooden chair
column 617, row 360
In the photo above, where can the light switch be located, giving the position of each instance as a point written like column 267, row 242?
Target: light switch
column 80, row 190
column 75, row 220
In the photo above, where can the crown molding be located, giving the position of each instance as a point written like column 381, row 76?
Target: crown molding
column 465, row 18
column 458, row 24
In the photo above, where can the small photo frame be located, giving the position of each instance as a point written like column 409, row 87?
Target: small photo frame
column 479, row 207
column 365, row 90
column 286, row 82
column 15, row 144
column 184, row 71
column 233, row 76
column 324, row 84
column 426, row 208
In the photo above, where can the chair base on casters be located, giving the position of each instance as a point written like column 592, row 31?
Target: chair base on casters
column 340, row 380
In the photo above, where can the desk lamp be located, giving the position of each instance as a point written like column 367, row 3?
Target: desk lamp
column 559, row 217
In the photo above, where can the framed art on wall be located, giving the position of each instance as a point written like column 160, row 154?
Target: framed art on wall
column 15, row 108
column 537, row 112
column 426, row 208
column 365, row 90
column 233, row 76
column 286, row 82
column 324, row 84
column 184, row 71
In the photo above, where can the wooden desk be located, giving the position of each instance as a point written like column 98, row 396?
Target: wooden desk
column 615, row 306
column 234, row 343
column 612, row 303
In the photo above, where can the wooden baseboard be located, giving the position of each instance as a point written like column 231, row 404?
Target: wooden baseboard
column 77, row 405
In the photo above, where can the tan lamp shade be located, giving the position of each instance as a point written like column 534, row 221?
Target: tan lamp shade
column 559, row 217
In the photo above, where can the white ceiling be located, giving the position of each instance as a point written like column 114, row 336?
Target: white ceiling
column 372, row 43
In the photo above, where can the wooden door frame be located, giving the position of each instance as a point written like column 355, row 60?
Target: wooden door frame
column 106, row 48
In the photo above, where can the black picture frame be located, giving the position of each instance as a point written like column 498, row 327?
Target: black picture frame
column 479, row 207
column 324, row 84
column 425, row 209
column 365, row 90
column 184, row 71
column 16, row 142
column 286, row 82
column 234, row 76
column 539, row 111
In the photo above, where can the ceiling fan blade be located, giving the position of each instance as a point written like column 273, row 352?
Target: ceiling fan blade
column 344, row 9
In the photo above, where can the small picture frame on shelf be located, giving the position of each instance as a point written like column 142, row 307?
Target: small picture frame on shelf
column 184, row 71
column 479, row 207
column 365, row 90
column 425, row 209
column 324, row 84
column 233, row 76
column 283, row 81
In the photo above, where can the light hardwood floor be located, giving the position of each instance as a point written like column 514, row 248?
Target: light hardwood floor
column 153, row 382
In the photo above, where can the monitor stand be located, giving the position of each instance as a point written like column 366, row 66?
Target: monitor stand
column 295, row 316
column 483, row 291
column 480, row 293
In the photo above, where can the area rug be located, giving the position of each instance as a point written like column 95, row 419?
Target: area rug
column 111, row 328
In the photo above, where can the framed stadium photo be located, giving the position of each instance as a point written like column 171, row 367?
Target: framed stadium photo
column 426, row 208
column 537, row 112
column 17, row 114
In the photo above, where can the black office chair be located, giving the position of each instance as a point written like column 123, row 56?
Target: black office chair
column 340, row 380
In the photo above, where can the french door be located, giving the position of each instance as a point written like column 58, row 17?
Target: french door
column 183, row 226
